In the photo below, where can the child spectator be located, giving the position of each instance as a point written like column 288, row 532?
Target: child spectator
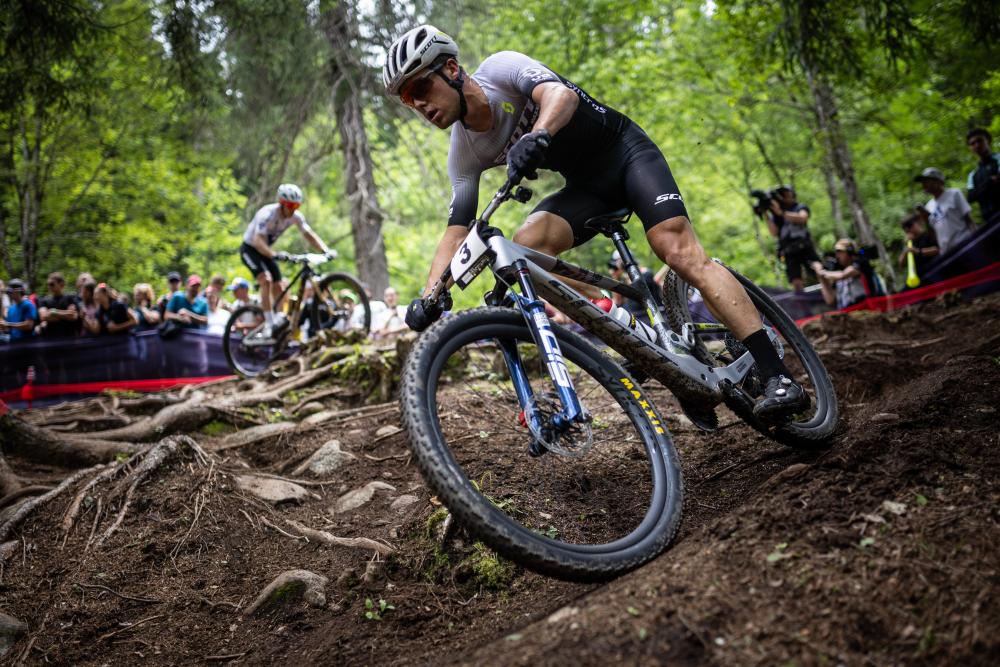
column 112, row 316
column 949, row 212
column 187, row 307
column 240, row 288
column 923, row 245
column 58, row 311
column 145, row 311
column 853, row 283
column 86, row 303
column 21, row 315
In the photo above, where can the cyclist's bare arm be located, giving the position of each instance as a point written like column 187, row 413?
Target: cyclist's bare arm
column 556, row 104
column 313, row 239
column 450, row 242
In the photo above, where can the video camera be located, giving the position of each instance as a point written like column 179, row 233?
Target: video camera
column 763, row 201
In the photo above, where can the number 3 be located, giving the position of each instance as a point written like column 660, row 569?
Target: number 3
column 467, row 254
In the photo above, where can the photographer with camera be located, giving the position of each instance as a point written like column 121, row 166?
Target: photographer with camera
column 786, row 220
column 850, row 278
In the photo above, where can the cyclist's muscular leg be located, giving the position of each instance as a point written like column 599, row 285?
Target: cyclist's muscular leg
column 552, row 234
column 675, row 243
column 265, row 283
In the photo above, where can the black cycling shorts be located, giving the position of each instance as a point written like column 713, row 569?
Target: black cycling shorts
column 633, row 175
column 257, row 263
column 796, row 261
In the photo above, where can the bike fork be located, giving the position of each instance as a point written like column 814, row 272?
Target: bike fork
column 541, row 330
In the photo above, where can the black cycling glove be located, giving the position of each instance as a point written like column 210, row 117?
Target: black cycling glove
column 524, row 157
column 420, row 314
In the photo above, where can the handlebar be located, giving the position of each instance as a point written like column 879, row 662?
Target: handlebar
column 509, row 190
column 307, row 258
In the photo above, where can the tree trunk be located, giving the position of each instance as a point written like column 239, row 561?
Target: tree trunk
column 366, row 217
column 836, row 212
column 825, row 107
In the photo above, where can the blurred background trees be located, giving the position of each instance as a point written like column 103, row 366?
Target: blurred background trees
column 138, row 137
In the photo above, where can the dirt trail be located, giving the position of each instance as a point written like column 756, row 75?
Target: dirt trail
column 881, row 550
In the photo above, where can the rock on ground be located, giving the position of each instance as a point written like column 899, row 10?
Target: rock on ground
column 325, row 460
column 288, row 588
column 11, row 630
column 274, row 491
column 358, row 497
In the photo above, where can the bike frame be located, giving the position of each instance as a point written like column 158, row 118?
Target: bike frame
column 304, row 274
column 672, row 363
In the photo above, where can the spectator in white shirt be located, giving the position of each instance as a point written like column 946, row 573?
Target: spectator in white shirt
column 949, row 211
column 391, row 320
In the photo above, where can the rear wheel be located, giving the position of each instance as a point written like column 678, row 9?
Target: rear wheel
column 603, row 498
column 247, row 350
column 341, row 305
column 714, row 345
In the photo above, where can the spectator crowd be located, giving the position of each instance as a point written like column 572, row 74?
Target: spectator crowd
column 94, row 309
column 937, row 228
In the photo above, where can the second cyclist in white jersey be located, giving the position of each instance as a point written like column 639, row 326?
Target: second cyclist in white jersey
column 257, row 254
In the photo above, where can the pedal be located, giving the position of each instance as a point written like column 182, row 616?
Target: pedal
column 704, row 419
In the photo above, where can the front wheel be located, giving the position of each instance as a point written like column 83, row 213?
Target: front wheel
column 607, row 502
column 247, row 350
column 713, row 345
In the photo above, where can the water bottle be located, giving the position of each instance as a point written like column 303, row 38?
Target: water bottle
column 626, row 318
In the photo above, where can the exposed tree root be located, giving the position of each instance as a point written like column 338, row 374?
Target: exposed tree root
column 28, row 507
column 324, row 537
column 9, row 483
column 24, row 491
column 164, row 450
column 180, row 417
column 29, row 441
column 250, row 436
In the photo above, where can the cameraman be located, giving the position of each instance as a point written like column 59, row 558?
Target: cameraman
column 855, row 280
column 787, row 220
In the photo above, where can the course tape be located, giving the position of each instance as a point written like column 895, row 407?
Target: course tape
column 31, row 392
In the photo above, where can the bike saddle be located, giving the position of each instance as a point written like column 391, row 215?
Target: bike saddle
column 609, row 222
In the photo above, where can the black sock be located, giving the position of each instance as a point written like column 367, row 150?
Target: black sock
column 765, row 355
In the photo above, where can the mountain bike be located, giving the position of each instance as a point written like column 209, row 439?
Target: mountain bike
column 337, row 303
column 548, row 449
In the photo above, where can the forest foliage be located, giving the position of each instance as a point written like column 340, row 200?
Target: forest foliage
column 138, row 137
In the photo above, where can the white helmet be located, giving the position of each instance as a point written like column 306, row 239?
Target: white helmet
column 412, row 52
column 289, row 192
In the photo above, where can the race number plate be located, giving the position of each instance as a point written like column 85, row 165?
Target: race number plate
column 472, row 257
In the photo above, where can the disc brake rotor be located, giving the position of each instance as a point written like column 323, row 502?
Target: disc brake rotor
column 573, row 442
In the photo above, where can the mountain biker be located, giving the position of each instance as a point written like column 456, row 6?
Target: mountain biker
column 267, row 225
column 516, row 111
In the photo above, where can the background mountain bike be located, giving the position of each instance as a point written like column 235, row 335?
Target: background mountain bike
column 321, row 301
column 549, row 449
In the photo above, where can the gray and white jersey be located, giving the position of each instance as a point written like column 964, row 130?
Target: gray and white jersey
column 508, row 79
column 268, row 222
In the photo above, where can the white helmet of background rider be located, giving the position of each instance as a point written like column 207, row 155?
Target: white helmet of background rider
column 290, row 193
column 413, row 52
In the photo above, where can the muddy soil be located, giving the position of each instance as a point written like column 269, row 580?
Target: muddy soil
column 882, row 549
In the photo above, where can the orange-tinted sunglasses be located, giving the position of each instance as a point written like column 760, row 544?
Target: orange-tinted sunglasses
column 417, row 88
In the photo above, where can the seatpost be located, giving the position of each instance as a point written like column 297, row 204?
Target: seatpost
column 618, row 237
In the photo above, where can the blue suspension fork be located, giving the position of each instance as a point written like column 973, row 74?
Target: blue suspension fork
column 541, row 330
